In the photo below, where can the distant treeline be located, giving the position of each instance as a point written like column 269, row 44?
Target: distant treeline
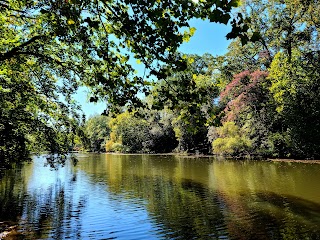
column 260, row 98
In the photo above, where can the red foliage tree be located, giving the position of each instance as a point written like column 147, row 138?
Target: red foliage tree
column 244, row 91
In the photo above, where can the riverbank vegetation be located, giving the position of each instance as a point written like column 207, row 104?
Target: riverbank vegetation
column 260, row 98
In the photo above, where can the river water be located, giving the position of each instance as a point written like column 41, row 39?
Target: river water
column 104, row 196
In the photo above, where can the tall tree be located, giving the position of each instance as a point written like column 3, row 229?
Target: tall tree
column 283, row 39
column 190, row 94
column 50, row 47
column 96, row 130
column 295, row 86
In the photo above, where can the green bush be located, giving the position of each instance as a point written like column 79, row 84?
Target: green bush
column 231, row 141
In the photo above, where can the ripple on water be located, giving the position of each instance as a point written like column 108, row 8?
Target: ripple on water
column 106, row 198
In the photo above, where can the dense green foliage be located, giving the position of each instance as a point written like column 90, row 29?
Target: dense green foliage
column 152, row 133
column 273, row 95
column 50, row 48
column 95, row 134
column 260, row 98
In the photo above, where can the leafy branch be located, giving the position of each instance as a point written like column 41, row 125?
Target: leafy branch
column 16, row 50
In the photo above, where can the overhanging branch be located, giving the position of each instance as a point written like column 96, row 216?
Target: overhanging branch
column 16, row 50
column 42, row 56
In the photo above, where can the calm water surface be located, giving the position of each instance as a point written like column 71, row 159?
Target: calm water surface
column 161, row 197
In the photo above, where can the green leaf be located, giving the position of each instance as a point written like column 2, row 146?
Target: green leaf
column 192, row 31
column 255, row 37
column 235, row 3
column 70, row 22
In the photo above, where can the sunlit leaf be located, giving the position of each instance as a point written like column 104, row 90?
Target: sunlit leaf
column 70, row 22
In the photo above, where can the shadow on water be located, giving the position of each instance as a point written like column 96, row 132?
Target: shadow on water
column 298, row 206
column 38, row 213
column 266, row 215
column 182, row 205
column 11, row 199
column 167, row 198
column 199, row 213
column 54, row 216
column 187, row 211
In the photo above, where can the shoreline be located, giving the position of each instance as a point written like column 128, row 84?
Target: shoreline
column 193, row 155
column 294, row 160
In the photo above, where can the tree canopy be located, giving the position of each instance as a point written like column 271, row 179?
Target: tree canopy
column 89, row 42
column 258, row 98
column 49, row 48
column 271, row 83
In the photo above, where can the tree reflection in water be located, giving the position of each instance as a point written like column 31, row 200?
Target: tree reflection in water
column 150, row 197
column 11, row 198
column 40, row 213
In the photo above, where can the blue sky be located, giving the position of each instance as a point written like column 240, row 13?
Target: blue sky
column 208, row 38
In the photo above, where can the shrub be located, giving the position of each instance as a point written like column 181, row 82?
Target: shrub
column 231, row 141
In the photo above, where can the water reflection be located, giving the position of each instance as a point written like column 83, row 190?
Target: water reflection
column 269, row 200
column 161, row 197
